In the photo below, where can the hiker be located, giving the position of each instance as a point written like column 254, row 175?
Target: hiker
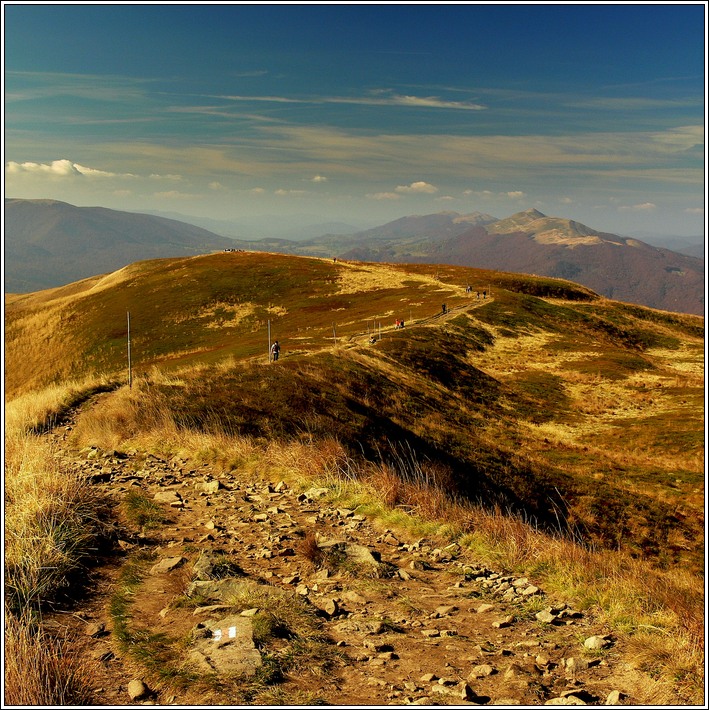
column 397, row 326
column 372, row 340
column 444, row 308
column 484, row 294
column 401, row 325
column 275, row 350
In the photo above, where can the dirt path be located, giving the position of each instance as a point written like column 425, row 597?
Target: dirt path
column 400, row 621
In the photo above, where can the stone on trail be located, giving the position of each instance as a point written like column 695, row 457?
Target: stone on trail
column 137, row 690
column 228, row 649
column 545, row 616
column 481, row 671
column 172, row 498
column 503, row 623
column 315, row 493
column 94, row 630
column 568, row 700
column 220, row 590
column 615, row 697
column 207, row 486
column 167, row 564
column 596, row 642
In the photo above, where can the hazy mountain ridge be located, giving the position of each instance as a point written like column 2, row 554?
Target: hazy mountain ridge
column 49, row 243
column 617, row 267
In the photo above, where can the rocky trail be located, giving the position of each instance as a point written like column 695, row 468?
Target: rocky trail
column 251, row 591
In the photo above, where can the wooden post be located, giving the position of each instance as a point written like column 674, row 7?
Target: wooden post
column 269, row 341
column 130, row 368
column 334, row 334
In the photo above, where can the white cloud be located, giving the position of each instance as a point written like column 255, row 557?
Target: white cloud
column 694, row 210
column 215, row 185
column 445, row 198
column 417, row 187
column 516, row 194
column 566, row 201
column 257, row 191
column 384, row 196
column 643, row 207
column 60, row 168
column 319, row 178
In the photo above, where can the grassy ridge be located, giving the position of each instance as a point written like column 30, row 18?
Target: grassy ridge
column 527, row 400
column 207, row 308
column 555, row 432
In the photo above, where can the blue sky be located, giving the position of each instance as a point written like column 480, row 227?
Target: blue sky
column 361, row 113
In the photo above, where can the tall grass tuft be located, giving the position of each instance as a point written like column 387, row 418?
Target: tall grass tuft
column 39, row 670
column 52, row 519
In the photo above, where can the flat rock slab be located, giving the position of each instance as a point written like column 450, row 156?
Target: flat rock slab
column 167, row 564
column 229, row 650
column 220, row 590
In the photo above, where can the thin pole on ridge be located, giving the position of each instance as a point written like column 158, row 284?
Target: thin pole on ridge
column 130, row 369
column 269, row 341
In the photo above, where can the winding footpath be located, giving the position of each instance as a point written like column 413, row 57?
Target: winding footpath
column 413, row 621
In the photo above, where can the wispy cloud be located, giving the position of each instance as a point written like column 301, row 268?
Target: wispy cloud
column 643, row 207
column 382, row 98
column 383, row 196
column 27, row 86
column 289, row 193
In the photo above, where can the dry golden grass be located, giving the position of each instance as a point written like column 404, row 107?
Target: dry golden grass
column 37, row 409
column 358, row 278
column 51, row 519
column 39, row 671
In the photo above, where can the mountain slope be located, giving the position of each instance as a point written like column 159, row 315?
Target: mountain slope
column 514, row 400
column 529, row 242
column 50, row 243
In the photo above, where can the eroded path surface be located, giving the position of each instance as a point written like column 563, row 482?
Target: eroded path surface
column 391, row 620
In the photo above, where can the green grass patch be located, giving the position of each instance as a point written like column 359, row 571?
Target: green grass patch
column 142, row 511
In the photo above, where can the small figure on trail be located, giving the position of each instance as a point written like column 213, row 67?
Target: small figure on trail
column 398, row 324
column 372, row 340
column 401, row 324
column 275, row 350
column 484, row 294
column 444, row 308
column 468, row 289
column 334, row 259
column 477, row 295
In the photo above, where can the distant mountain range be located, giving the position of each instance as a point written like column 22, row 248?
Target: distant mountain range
column 50, row 243
column 621, row 268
